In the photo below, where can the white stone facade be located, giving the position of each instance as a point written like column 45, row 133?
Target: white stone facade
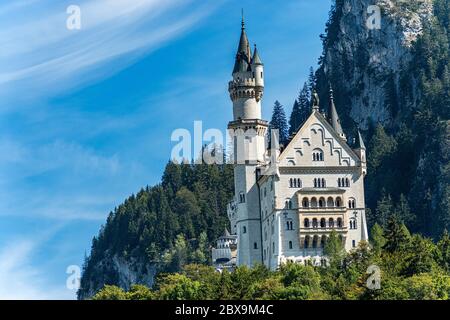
column 316, row 183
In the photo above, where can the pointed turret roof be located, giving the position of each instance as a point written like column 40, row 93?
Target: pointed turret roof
column 226, row 233
column 256, row 59
column 243, row 54
column 359, row 142
column 333, row 117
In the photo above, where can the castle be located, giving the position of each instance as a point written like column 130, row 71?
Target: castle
column 289, row 199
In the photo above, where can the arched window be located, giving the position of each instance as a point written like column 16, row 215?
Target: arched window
column 305, row 203
column 317, row 155
column 299, row 183
column 288, row 204
column 307, row 241
column 321, row 202
column 315, row 241
column 289, row 225
column 339, row 222
column 322, row 223
column 351, row 203
column 330, row 202
column 255, row 245
column 338, row 202
column 315, row 224
column 323, row 240
column 314, row 203
column 290, row 244
column 331, row 223
column 295, row 183
column 306, row 223
column 291, row 184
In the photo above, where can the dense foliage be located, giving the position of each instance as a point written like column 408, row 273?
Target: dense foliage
column 408, row 155
column 412, row 267
column 167, row 225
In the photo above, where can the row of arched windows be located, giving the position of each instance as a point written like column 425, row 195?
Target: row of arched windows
column 316, row 241
column 295, row 183
column 323, row 223
column 330, row 202
column 289, row 225
column 319, row 183
column 343, row 182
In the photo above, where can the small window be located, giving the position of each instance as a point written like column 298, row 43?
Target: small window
column 273, row 247
column 241, row 197
column 261, row 74
column 255, row 245
column 353, row 243
column 244, row 229
column 306, row 223
column 290, row 244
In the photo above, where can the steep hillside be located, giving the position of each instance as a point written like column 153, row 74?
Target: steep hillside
column 394, row 84
column 160, row 228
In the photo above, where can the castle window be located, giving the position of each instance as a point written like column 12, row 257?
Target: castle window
column 290, row 244
column 338, row 202
column 321, row 202
column 244, row 229
column 288, row 204
column 315, row 241
column 299, row 183
column 306, row 223
column 241, row 197
column 317, row 155
column 353, row 243
column 289, row 225
column 347, row 182
column 291, row 183
column 330, row 202
column 351, row 203
column 265, row 192
column 339, row 222
column 314, row 203
column 306, row 243
column 331, row 223
column 255, row 245
column 315, row 224
column 305, row 203
column 319, row 183
column 261, row 74
column 273, row 247
column 322, row 223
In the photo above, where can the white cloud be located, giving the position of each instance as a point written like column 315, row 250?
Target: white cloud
column 41, row 54
column 20, row 279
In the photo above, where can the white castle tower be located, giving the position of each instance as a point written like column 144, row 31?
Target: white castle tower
column 248, row 130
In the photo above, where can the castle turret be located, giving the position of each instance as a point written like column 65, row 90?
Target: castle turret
column 248, row 131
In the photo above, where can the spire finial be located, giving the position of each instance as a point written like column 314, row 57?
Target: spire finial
column 242, row 22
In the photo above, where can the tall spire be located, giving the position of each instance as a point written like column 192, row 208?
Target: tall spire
column 256, row 58
column 243, row 54
column 333, row 116
column 359, row 142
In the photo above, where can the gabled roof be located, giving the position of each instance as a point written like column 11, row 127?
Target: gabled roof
column 317, row 115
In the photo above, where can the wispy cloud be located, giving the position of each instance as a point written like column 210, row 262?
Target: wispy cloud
column 20, row 278
column 41, row 53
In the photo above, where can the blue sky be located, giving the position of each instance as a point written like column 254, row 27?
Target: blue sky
column 86, row 115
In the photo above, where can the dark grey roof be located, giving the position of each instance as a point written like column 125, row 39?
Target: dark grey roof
column 359, row 142
column 243, row 54
column 256, row 59
column 333, row 117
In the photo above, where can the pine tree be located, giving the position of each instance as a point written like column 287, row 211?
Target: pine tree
column 397, row 235
column 300, row 111
column 312, row 80
column 279, row 122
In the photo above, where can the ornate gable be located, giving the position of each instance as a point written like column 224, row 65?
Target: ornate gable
column 317, row 144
